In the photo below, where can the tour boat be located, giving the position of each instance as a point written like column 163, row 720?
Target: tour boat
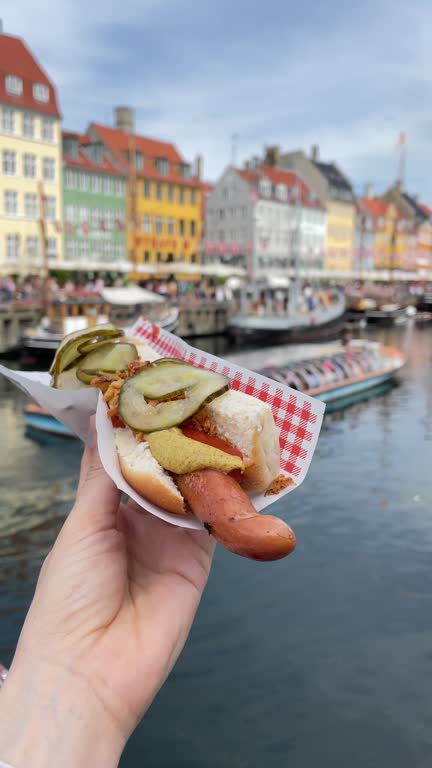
column 122, row 306
column 324, row 321
column 39, row 419
column 359, row 366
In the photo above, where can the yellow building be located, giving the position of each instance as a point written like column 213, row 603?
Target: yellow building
column 164, row 206
column 340, row 237
column 30, row 161
column 382, row 234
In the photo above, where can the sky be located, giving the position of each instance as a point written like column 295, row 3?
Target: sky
column 348, row 76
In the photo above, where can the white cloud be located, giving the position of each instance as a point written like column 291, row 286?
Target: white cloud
column 350, row 86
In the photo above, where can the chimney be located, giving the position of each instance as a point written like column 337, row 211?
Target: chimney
column 272, row 155
column 368, row 190
column 315, row 153
column 124, row 119
column 198, row 166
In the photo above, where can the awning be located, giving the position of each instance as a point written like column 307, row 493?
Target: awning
column 130, row 295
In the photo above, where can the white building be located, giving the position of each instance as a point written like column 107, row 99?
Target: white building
column 266, row 220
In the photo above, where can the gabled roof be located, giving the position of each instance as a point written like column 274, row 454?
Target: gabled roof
column 120, row 143
column 84, row 161
column 339, row 186
column 277, row 176
column 415, row 206
column 425, row 208
column 375, row 207
column 17, row 60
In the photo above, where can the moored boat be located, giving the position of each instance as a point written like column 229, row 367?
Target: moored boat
column 122, row 306
column 324, row 321
column 39, row 419
column 360, row 366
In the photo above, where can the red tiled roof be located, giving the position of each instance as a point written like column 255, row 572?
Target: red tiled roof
column 206, row 187
column 84, row 161
column 375, row 207
column 280, row 176
column 16, row 59
column 425, row 208
column 119, row 143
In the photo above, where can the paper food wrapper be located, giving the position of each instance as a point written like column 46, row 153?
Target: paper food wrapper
column 297, row 416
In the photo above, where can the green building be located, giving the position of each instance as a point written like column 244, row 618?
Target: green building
column 94, row 199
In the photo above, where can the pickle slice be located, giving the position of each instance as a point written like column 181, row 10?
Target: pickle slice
column 109, row 357
column 156, row 382
column 68, row 350
column 87, row 375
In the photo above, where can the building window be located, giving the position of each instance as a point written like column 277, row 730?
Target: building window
column 185, row 171
column 107, row 186
column 12, row 247
column 30, row 205
column 109, row 219
column 192, row 229
column 47, row 129
column 170, row 193
column 83, row 181
column 193, row 258
column 158, row 191
column 181, row 227
column 14, row 85
column 52, row 247
column 40, row 92
column 162, row 166
column 147, row 224
column 94, row 183
column 158, row 225
column 69, row 180
column 9, row 163
column 146, row 257
column 50, row 208
column 28, row 125
column 181, row 195
column 8, row 120
column 139, row 161
column 147, row 188
column 192, row 196
column 265, row 188
column 118, row 187
column 158, row 257
column 48, row 169
column 32, row 248
column 10, row 203
column 70, row 249
column 84, row 249
column 70, row 213
column 170, row 226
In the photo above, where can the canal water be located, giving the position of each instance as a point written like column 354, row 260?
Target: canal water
column 323, row 659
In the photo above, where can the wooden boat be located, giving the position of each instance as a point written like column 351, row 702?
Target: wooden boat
column 122, row 306
column 360, row 366
column 37, row 418
column 325, row 321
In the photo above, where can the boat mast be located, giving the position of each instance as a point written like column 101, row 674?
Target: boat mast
column 43, row 244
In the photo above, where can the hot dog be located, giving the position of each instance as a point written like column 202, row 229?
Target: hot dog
column 172, row 466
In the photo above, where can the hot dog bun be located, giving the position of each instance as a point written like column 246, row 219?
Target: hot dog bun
column 242, row 420
column 248, row 424
column 146, row 476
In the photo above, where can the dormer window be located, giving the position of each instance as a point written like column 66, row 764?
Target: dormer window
column 40, row 92
column 265, row 188
column 281, row 192
column 185, row 171
column 14, row 85
column 162, row 166
column 139, row 161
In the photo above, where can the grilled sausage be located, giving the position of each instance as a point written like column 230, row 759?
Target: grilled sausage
column 219, row 502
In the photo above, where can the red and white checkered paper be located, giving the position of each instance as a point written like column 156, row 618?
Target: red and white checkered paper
column 297, row 416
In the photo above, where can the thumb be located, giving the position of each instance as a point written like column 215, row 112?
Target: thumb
column 97, row 499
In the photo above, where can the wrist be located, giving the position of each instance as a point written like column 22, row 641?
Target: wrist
column 54, row 718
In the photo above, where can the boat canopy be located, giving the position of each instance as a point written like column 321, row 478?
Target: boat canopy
column 130, row 295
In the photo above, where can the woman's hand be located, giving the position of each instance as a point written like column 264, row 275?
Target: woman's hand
column 113, row 606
